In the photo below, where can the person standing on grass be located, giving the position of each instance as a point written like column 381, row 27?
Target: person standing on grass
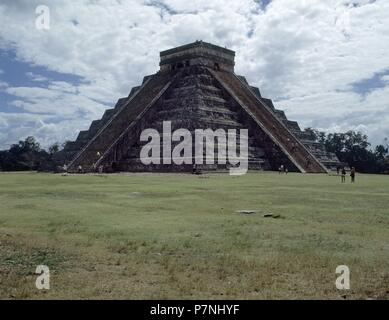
column 281, row 169
column 343, row 175
column 352, row 174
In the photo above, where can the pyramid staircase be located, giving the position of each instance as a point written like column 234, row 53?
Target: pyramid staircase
column 302, row 158
column 328, row 159
column 193, row 102
column 113, row 126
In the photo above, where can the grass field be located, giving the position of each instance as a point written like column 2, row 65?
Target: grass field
column 171, row 236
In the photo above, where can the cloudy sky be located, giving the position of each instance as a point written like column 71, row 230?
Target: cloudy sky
column 326, row 63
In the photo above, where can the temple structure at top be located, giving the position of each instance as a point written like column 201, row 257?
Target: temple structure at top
column 198, row 53
column 196, row 88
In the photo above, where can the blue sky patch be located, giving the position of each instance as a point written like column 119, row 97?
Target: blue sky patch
column 21, row 74
column 365, row 86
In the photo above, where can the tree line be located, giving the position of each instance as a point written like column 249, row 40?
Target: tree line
column 28, row 155
column 354, row 149
column 350, row 147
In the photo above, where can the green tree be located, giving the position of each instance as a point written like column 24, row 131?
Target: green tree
column 354, row 148
column 25, row 155
column 316, row 135
column 381, row 152
column 54, row 148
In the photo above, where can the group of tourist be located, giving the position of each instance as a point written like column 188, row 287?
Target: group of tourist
column 281, row 170
column 343, row 174
column 342, row 171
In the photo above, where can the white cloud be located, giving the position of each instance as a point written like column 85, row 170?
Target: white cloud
column 36, row 77
column 304, row 54
column 60, row 99
column 48, row 129
column 368, row 114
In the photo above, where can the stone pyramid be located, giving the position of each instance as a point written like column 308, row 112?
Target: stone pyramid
column 196, row 88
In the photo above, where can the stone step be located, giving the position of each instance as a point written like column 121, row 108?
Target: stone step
column 214, row 99
column 223, row 111
column 197, row 122
column 211, row 88
column 192, row 161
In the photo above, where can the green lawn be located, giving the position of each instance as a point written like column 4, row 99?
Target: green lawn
column 167, row 236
